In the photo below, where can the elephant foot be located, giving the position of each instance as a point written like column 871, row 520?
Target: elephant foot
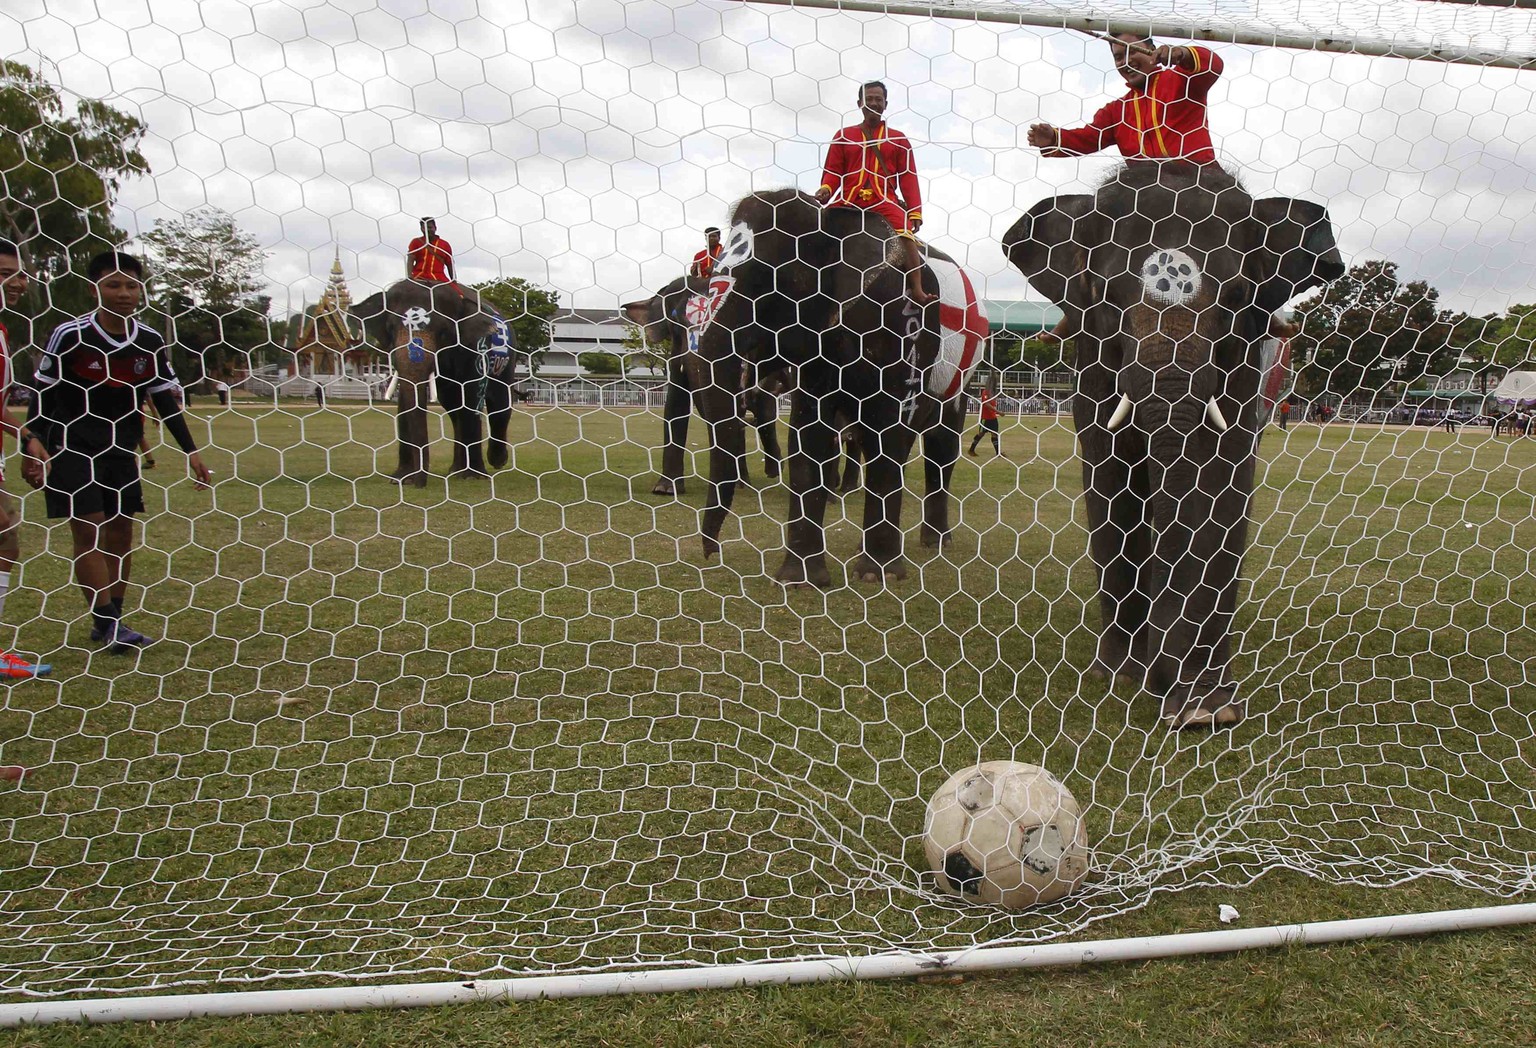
column 410, row 480
column 803, row 571
column 711, row 548
column 936, row 539
column 1127, row 674
column 497, row 456
column 868, row 570
column 1221, row 708
column 667, row 486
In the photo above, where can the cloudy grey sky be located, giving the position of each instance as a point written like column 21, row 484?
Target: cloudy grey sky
column 583, row 146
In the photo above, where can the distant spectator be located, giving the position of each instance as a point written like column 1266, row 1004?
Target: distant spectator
column 989, row 424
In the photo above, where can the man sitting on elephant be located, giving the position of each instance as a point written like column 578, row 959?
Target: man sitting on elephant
column 870, row 166
column 429, row 258
column 1171, row 270
column 1163, row 116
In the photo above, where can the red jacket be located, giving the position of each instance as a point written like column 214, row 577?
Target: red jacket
column 870, row 170
column 1166, row 121
column 988, row 406
column 704, row 262
column 430, row 261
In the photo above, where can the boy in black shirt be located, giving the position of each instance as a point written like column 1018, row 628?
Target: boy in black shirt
column 91, row 381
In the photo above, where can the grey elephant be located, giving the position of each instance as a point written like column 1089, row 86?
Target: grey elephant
column 1170, row 273
column 442, row 330
column 663, row 320
column 817, row 295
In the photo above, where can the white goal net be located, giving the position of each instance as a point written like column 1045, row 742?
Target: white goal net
column 411, row 710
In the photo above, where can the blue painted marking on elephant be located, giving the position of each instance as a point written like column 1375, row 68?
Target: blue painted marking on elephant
column 415, row 351
column 497, row 348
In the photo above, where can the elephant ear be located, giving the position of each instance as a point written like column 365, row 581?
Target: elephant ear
column 1300, row 252
column 1050, row 244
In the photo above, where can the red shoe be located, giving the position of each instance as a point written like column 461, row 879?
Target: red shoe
column 21, row 669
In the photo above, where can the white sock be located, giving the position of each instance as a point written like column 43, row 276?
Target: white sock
column 5, row 587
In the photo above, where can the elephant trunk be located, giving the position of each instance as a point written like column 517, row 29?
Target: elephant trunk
column 1200, row 478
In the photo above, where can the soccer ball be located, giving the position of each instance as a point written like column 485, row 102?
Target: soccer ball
column 1006, row 833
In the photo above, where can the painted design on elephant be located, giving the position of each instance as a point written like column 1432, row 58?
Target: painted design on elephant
column 700, row 310
column 962, row 329
column 738, row 248
column 1170, row 276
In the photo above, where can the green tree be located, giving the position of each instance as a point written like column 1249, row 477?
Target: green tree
column 61, row 165
column 206, row 277
column 638, row 353
column 1369, row 329
column 601, row 363
column 529, row 310
column 1505, row 342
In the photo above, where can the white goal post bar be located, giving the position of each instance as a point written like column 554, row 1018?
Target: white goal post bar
column 1088, row 23
column 741, row 976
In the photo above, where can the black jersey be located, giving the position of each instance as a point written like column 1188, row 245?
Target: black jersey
column 91, row 385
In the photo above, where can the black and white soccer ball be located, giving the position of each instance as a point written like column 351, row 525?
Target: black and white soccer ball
column 1006, row 833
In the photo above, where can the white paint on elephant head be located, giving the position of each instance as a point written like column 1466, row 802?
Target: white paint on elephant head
column 737, row 249
column 1170, row 276
column 415, row 318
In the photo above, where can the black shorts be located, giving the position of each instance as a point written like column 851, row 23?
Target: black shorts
column 989, row 424
column 79, row 485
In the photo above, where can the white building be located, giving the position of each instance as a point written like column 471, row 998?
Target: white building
column 578, row 331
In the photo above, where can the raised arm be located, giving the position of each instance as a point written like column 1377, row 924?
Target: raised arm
column 1078, row 141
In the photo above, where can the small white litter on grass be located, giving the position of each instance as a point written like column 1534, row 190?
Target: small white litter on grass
column 1228, row 914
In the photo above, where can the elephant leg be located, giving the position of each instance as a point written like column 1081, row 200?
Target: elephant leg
column 941, row 450
column 812, row 452
column 885, row 447
column 1119, row 528
column 451, row 395
column 411, row 430
column 674, row 430
column 766, row 409
column 498, row 407
column 728, row 447
column 1200, row 504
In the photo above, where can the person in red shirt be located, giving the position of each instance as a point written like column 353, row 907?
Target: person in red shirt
column 704, row 262
column 1161, row 117
column 429, row 257
column 871, row 166
column 989, row 424
column 13, row 281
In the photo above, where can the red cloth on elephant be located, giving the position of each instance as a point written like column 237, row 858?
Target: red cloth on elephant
column 874, row 171
column 1166, row 121
column 430, row 261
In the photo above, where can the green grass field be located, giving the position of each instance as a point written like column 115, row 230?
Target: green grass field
column 518, row 725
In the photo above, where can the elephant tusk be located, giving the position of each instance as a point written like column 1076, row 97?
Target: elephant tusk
column 1122, row 412
column 1213, row 412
